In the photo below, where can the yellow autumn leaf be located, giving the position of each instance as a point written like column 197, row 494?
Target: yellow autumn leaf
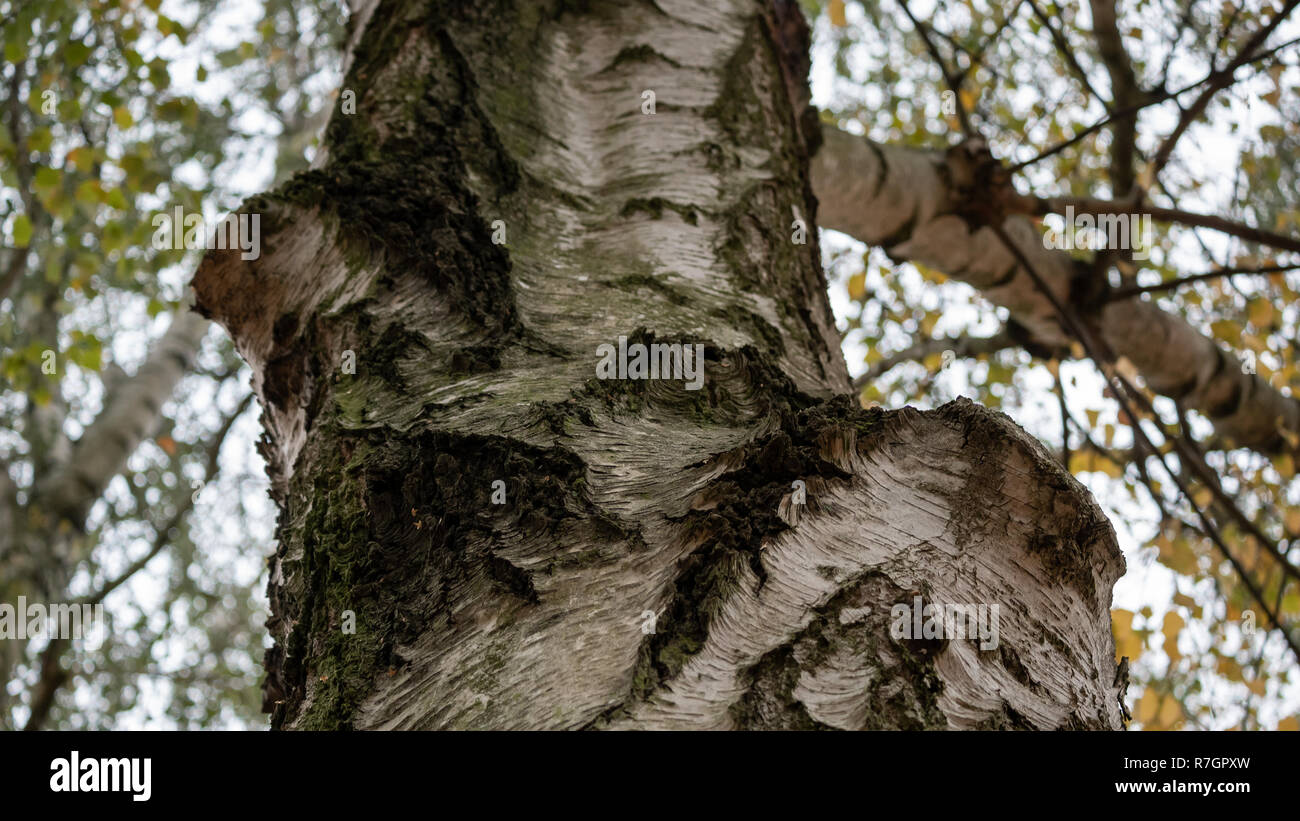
column 1260, row 313
column 968, row 99
column 1127, row 642
column 1228, row 668
column 836, row 12
column 1171, row 712
column 1147, row 707
column 1172, row 626
column 857, row 286
column 1290, row 724
column 1285, row 465
column 1178, row 556
column 927, row 324
column 1293, row 519
column 1091, row 461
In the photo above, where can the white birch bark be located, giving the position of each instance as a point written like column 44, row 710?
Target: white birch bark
column 476, row 363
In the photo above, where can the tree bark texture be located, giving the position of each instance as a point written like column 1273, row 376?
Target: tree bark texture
column 475, row 364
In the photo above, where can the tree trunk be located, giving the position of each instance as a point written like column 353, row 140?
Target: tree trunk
column 525, row 545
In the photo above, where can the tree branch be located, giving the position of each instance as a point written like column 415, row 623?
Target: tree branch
column 130, row 416
column 909, row 202
column 963, row 346
column 1219, row 81
column 1132, row 291
column 1094, row 206
column 1125, row 393
column 53, row 673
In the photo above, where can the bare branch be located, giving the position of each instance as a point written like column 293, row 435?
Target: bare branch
column 1132, row 291
column 963, row 346
column 1221, row 80
column 53, row 673
column 1126, row 394
column 1091, row 205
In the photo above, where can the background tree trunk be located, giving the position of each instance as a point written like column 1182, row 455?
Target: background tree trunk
column 475, row 364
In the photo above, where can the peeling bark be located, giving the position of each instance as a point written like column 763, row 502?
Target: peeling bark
column 475, row 376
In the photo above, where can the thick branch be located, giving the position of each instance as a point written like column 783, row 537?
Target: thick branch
column 906, row 201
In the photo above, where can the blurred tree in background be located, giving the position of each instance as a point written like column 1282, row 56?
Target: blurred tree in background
column 116, row 486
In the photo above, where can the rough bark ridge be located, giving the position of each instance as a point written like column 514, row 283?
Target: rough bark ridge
column 475, row 365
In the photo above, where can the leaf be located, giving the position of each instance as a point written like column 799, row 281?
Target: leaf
column 23, row 232
column 1173, row 624
column 88, row 193
column 1147, row 706
column 836, row 12
column 83, row 158
column 47, row 178
column 1177, row 555
column 76, row 53
column 1127, row 641
column 88, row 354
column 168, row 444
column 122, row 117
column 40, row 140
column 1260, row 313
column 1228, row 668
column 1293, row 519
column 858, row 286
column 1171, row 713
column 1091, row 461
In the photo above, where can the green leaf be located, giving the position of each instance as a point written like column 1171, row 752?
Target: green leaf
column 83, row 157
column 76, row 53
column 88, row 353
column 47, row 177
column 88, row 193
column 40, row 140
column 22, row 231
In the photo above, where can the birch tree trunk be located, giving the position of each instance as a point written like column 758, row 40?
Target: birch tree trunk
column 520, row 544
